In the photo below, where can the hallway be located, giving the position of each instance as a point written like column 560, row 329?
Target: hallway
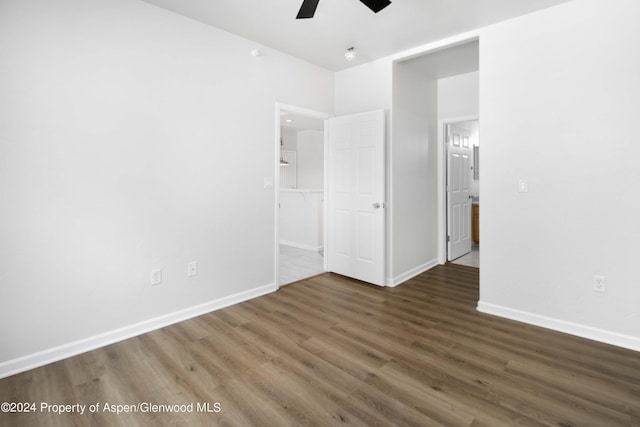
column 472, row 259
column 297, row 264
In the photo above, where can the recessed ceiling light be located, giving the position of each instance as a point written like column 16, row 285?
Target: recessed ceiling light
column 288, row 120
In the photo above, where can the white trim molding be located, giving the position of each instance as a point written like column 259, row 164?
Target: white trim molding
column 74, row 348
column 601, row 335
column 392, row 282
column 435, row 46
column 301, row 246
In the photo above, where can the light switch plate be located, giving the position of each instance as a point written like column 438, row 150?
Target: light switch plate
column 523, row 185
column 268, row 183
column 156, row 277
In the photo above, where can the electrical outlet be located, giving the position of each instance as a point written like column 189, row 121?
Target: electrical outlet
column 156, row 277
column 192, row 269
column 599, row 283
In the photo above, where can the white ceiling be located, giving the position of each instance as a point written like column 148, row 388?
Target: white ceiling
column 460, row 59
column 452, row 61
column 340, row 24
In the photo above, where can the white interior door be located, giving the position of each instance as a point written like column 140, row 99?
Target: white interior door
column 355, row 202
column 458, row 191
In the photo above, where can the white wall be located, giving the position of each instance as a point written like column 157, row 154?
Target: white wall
column 311, row 159
column 559, row 99
column 458, row 96
column 413, row 171
column 365, row 87
column 301, row 222
column 289, row 138
column 117, row 123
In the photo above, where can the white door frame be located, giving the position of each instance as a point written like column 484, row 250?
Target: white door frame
column 279, row 108
column 442, row 183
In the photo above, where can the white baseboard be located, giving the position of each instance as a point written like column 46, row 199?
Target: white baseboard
column 395, row 281
column 301, row 246
column 60, row 352
column 608, row 337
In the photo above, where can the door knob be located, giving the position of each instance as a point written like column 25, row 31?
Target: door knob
column 377, row 205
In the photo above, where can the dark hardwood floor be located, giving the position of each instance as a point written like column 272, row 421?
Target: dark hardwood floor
column 331, row 351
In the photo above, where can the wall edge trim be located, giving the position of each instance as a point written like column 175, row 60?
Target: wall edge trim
column 73, row 348
column 392, row 282
column 584, row 331
column 301, row 245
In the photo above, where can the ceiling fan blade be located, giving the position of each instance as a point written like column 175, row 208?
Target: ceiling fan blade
column 308, row 9
column 376, row 5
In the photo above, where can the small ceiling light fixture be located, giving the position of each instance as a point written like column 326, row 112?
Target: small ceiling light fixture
column 351, row 54
column 256, row 52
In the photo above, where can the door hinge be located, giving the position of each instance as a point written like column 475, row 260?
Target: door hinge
column 448, row 238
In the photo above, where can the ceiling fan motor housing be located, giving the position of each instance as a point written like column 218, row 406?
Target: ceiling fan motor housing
column 308, row 8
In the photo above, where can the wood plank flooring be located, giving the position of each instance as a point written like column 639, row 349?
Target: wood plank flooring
column 332, row 351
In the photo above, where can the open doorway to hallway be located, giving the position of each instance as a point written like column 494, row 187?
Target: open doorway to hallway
column 297, row 263
column 301, row 221
column 472, row 259
column 439, row 86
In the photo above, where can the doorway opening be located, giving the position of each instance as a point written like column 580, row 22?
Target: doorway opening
column 461, row 142
column 300, row 194
column 429, row 88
